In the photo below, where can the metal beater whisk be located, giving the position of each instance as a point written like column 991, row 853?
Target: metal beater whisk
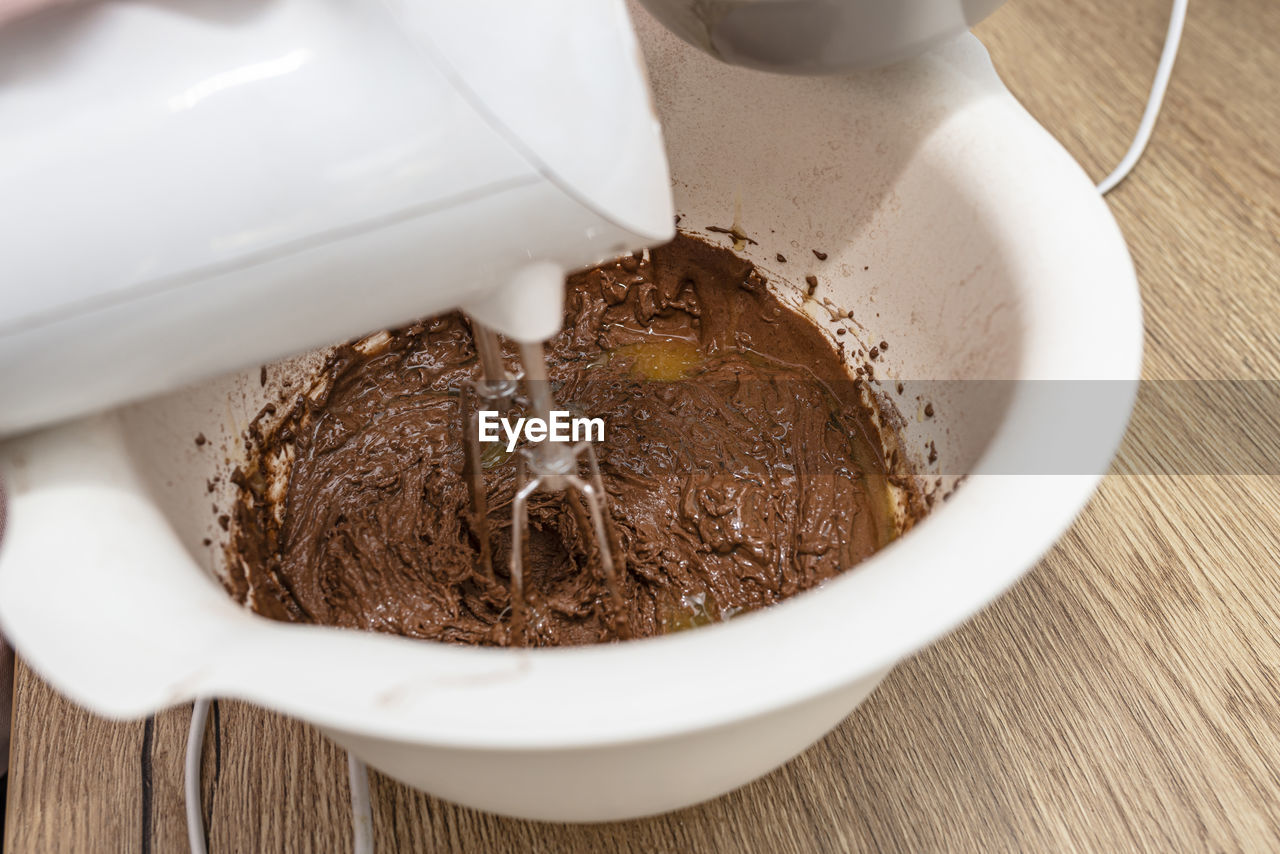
column 545, row 466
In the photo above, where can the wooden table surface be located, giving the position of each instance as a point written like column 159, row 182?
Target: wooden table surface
column 1125, row 695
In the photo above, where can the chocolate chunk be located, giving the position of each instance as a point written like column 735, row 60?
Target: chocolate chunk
column 736, row 233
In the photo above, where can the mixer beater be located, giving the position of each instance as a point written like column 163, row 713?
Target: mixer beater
column 541, row 466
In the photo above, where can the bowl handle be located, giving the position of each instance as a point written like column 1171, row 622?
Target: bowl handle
column 97, row 593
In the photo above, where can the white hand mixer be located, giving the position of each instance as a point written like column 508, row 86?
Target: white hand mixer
column 258, row 182
column 193, row 187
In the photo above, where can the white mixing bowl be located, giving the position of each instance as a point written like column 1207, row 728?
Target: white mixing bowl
column 958, row 231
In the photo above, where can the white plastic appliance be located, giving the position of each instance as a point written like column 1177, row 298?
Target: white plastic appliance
column 193, row 186
column 957, row 230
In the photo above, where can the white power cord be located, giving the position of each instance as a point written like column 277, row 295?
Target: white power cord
column 358, row 775
column 361, row 809
column 191, row 782
column 1172, row 38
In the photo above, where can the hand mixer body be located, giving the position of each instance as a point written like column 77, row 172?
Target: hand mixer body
column 188, row 189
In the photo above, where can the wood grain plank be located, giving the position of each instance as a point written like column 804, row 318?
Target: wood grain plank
column 167, row 826
column 74, row 781
column 273, row 784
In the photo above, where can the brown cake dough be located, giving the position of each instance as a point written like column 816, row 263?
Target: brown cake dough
column 740, row 463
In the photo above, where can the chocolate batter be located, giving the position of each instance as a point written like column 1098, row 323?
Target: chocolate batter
column 738, row 458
